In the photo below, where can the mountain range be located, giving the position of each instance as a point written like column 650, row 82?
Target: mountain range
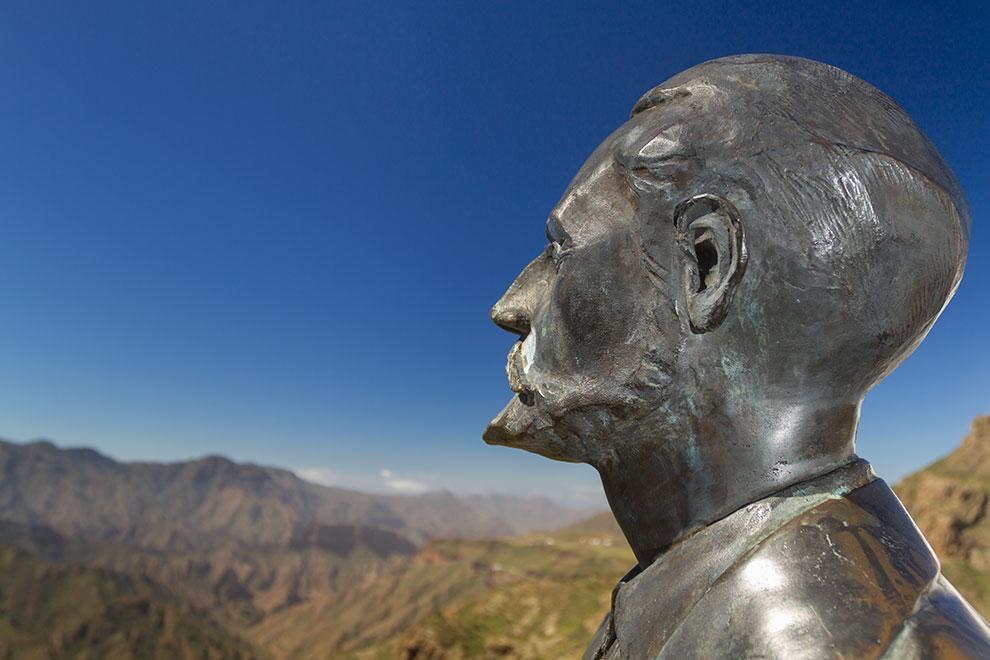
column 211, row 558
column 236, row 543
column 211, row 502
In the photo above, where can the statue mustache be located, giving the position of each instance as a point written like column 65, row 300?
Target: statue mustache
column 514, row 368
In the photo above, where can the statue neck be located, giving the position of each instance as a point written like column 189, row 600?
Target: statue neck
column 661, row 489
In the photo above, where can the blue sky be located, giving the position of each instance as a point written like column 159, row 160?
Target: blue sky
column 274, row 231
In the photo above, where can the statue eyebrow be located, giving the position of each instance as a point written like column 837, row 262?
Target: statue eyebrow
column 656, row 96
column 555, row 231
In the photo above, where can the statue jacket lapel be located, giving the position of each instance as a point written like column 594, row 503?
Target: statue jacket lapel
column 830, row 567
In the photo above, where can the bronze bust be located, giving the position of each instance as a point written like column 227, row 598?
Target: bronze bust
column 727, row 275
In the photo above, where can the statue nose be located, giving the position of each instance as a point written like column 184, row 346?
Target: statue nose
column 510, row 319
column 514, row 310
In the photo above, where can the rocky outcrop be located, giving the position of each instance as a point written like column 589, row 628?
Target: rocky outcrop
column 948, row 500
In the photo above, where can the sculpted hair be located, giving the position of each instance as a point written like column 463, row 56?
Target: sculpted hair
column 851, row 197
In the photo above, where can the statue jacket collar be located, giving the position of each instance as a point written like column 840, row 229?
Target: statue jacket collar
column 823, row 567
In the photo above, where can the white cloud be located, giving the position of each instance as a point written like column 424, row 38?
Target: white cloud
column 385, row 481
column 406, row 485
column 317, row 475
column 582, row 491
column 402, row 484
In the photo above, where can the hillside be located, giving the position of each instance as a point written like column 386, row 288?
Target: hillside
column 948, row 500
column 540, row 595
column 54, row 611
column 257, row 548
column 535, row 596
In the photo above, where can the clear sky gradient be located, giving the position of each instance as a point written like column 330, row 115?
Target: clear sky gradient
column 273, row 231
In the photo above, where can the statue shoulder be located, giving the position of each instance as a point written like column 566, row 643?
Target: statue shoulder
column 851, row 576
column 943, row 625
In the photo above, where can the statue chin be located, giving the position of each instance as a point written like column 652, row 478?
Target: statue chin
column 530, row 428
column 512, row 426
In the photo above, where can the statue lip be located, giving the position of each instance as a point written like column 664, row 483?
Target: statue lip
column 498, row 432
column 514, row 369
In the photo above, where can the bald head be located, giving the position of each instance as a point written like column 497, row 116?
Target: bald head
column 856, row 229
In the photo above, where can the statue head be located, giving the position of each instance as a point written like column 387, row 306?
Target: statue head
column 725, row 278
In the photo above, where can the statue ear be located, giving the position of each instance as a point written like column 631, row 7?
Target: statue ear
column 712, row 247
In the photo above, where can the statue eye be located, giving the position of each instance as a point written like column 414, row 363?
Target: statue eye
column 558, row 242
column 556, row 233
column 558, row 252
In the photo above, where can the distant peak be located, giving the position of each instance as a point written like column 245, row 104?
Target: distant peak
column 968, row 461
column 981, row 425
column 979, row 435
column 214, row 458
column 41, row 444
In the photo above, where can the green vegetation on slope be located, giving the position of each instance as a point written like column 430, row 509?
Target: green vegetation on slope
column 50, row 611
column 535, row 596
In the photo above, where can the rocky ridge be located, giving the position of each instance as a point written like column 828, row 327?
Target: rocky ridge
column 948, row 500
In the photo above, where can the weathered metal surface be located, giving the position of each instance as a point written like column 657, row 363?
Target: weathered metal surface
column 727, row 275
